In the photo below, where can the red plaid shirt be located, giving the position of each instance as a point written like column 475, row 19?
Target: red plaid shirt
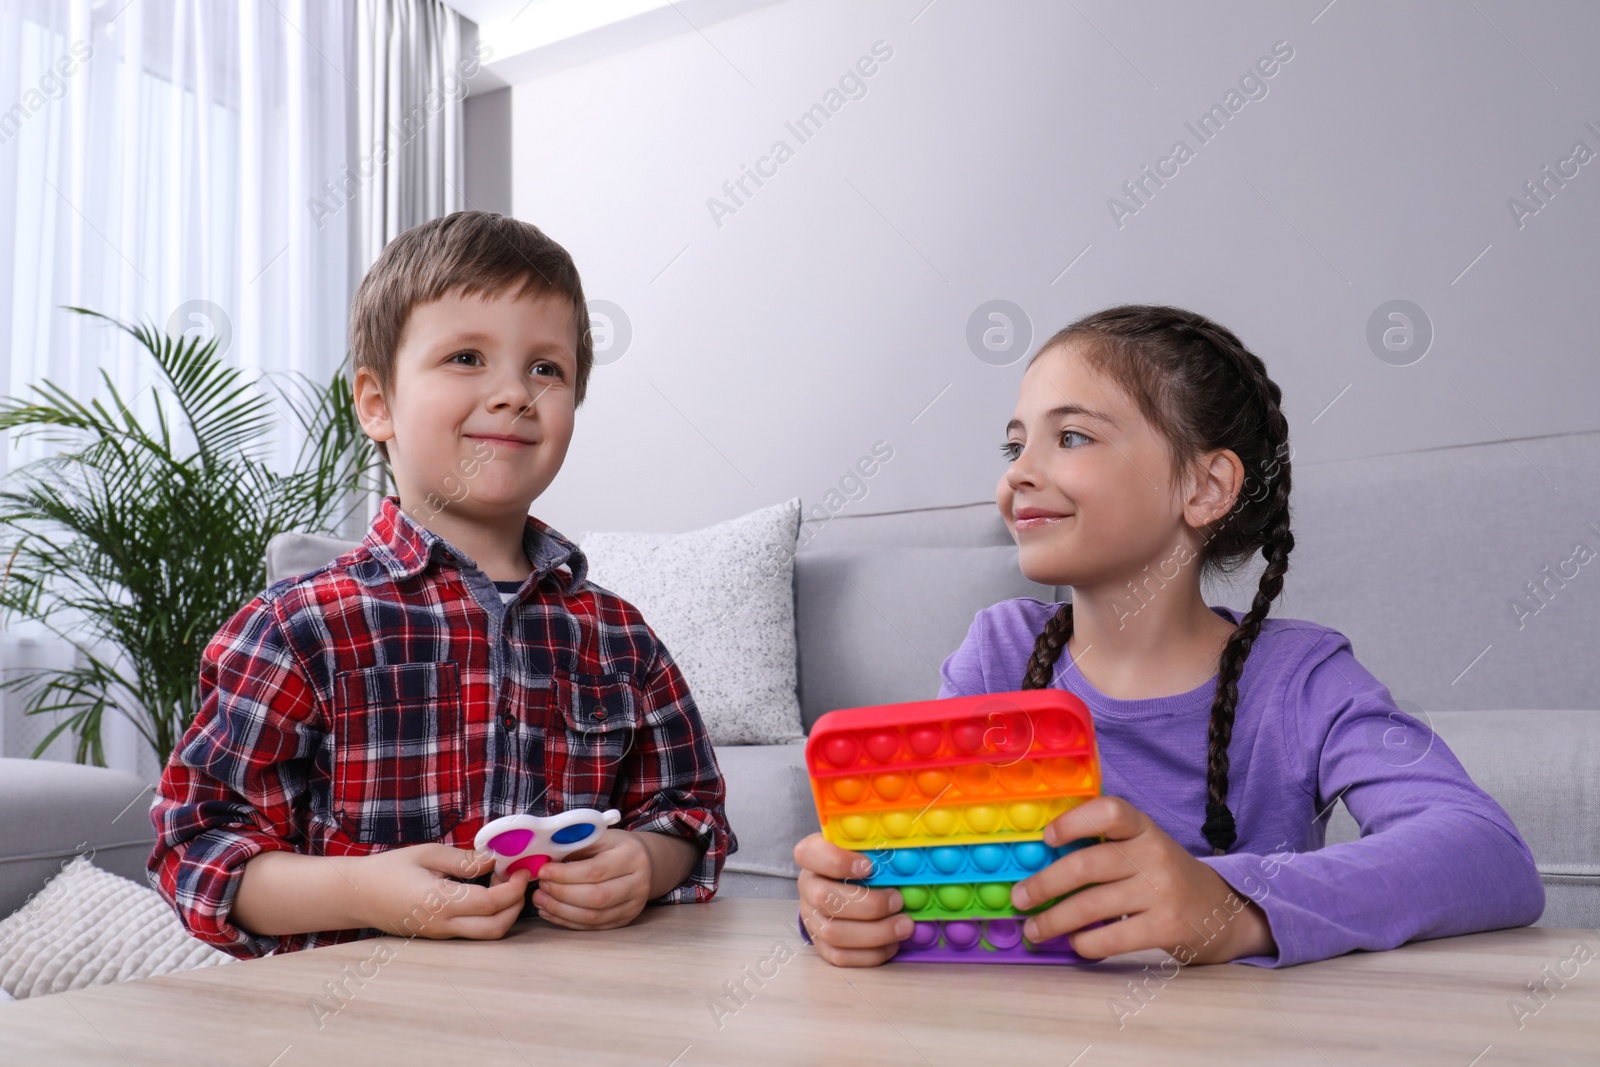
column 392, row 698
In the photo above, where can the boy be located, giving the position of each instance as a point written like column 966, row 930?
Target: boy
column 360, row 723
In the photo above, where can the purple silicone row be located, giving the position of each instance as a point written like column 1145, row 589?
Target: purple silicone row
column 976, row 941
column 982, row 941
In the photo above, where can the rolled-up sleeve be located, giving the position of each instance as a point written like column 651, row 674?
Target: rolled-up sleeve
column 235, row 785
column 672, row 784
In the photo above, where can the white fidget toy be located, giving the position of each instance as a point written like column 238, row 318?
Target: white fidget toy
column 527, row 842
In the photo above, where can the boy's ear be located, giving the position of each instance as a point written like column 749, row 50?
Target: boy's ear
column 372, row 410
column 1214, row 484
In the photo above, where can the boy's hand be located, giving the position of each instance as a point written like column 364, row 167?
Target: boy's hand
column 1142, row 873
column 406, row 891
column 598, row 888
column 850, row 925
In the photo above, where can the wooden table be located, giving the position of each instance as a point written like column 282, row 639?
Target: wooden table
column 658, row 992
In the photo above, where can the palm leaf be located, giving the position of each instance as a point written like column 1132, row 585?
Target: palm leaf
column 223, row 410
column 134, row 540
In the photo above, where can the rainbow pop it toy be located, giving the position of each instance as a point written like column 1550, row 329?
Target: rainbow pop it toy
column 950, row 798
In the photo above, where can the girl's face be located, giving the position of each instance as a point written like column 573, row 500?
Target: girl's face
column 1089, row 494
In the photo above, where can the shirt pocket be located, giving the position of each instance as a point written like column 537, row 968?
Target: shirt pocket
column 399, row 763
column 597, row 716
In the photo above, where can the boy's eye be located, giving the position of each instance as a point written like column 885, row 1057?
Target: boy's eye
column 467, row 358
column 1074, row 439
column 1011, row 450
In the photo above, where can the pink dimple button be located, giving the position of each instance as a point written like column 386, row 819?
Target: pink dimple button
column 882, row 745
column 511, row 842
column 925, row 740
column 531, row 864
column 840, row 750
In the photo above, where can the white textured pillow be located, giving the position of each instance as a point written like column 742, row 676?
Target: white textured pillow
column 722, row 600
column 89, row 927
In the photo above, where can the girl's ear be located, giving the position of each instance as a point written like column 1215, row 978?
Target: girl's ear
column 1213, row 489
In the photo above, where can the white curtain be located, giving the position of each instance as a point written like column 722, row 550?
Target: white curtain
column 230, row 168
column 412, row 79
column 177, row 162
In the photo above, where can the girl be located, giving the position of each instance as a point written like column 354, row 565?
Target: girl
column 1148, row 445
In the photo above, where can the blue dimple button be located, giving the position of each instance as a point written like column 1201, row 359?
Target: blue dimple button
column 1032, row 855
column 905, row 861
column 989, row 858
column 947, row 859
column 568, row 834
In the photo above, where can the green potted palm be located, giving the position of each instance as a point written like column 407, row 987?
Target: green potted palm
column 136, row 541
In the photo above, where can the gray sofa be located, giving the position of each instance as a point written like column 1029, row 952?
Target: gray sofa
column 1418, row 558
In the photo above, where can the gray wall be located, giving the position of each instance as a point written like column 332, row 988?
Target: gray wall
column 486, row 140
column 773, row 345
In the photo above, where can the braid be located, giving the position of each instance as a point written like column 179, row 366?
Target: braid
column 1219, row 827
column 1204, row 391
column 1047, row 649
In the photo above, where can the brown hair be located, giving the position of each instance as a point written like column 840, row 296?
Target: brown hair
column 1203, row 391
column 472, row 253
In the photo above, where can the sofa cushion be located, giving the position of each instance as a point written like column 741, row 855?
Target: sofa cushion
column 875, row 624
column 722, row 601
column 291, row 554
column 1543, row 767
column 770, row 808
column 54, row 811
column 88, row 927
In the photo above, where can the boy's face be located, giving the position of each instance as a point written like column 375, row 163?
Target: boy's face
column 481, row 410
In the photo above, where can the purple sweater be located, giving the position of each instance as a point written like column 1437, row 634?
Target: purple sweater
column 1437, row 856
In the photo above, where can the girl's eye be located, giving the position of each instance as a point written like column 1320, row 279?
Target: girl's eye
column 1011, row 450
column 458, row 355
column 1074, row 439
column 549, row 369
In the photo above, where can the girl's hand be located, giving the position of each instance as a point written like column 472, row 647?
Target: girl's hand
column 1172, row 900
column 850, row 925
column 413, row 892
